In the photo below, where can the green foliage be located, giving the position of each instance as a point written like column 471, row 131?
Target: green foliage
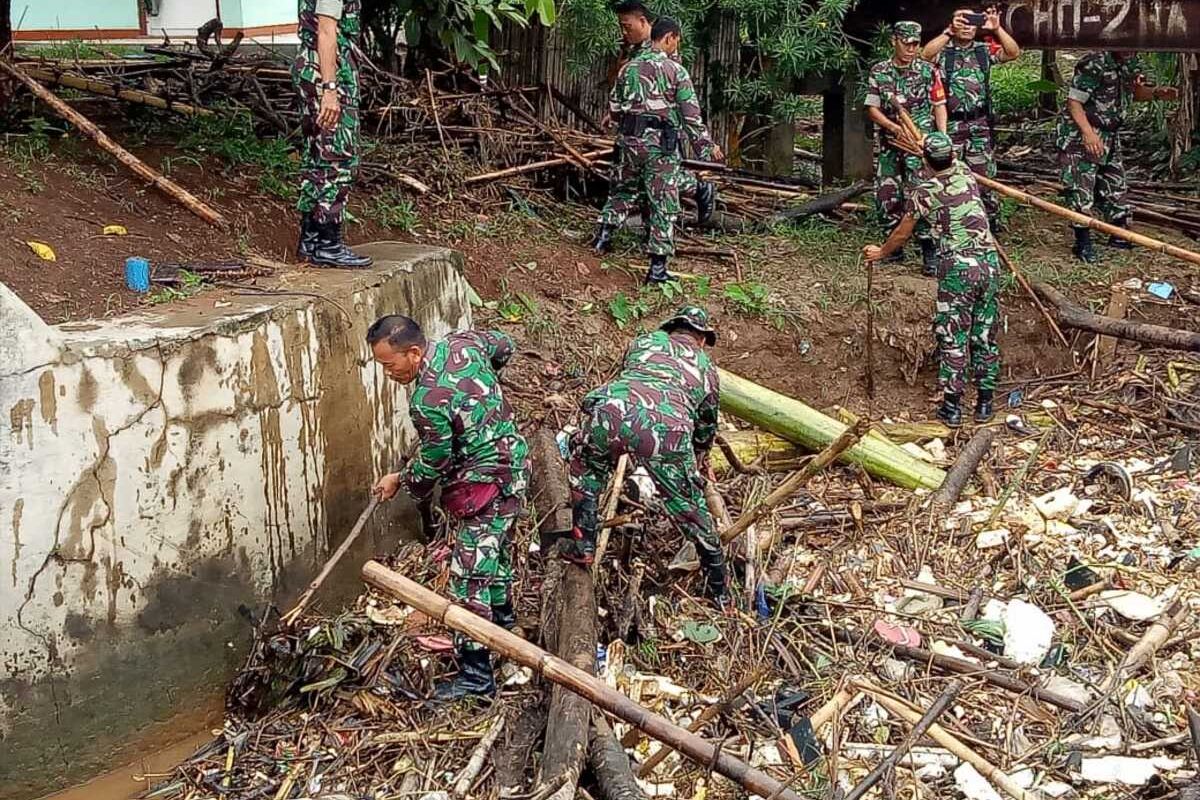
column 391, row 209
column 749, row 297
column 626, row 310
column 1017, row 85
column 190, row 283
column 231, row 138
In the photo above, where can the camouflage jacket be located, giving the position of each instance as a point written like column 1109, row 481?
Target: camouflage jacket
column 949, row 201
column 917, row 87
column 654, row 85
column 466, row 428
column 1104, row 86
column 306, row 65
column 671, row 384
column 966, row 79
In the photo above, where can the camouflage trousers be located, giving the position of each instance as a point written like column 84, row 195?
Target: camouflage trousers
column 645, row 172
column 1090, row 185
column 895, row 173
column 968, row 309
column 329, row 156
column 614, row 428
column 481, row 571
column 973, row 143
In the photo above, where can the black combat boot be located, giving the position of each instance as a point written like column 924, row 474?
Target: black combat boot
column 1116, row 242
column 475, row 677
column 1083, row 249
column 504, row 615
column 950, row 412
column 706, row 201
column 331, row 251
column 929, row 258
column 658, row 271
column 580, row 548
column 602, row 241
column 983, row 406
column 716, row 579
column 309, row 235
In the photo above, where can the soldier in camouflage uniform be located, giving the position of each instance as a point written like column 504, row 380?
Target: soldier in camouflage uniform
column 661, row 411
column 968, row 271
column 469, row 443
column 966, row 67
column 1089, row 144
column 907, row 81
column 653, row 102
column 325, row 72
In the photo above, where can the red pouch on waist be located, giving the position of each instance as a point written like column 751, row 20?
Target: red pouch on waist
column 465, row 500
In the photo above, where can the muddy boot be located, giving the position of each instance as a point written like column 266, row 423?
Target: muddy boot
column 331, row 251
column 1083, row 249
column 309, row 235
column 475, row 677
column 706, row 201
column 716, row 580
column 929, row 258
column 658, row 271
column 1116, row 242
column 950, row 412
column 983, row 406
column 602, row 241
column 580, row 548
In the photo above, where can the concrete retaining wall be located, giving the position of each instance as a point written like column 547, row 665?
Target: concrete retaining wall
column 163, row 479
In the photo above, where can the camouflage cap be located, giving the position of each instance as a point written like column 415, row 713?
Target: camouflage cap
column 693, row 318
column 938, row 145
column 907, row 31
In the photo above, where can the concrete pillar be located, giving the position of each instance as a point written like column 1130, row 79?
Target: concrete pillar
column 780, row 148
column 847, row 149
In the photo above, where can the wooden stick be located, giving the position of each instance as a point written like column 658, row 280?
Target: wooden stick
column 1154, row 637
column 871, row 330
column 112, row 90
column 1089, row 222
column 950, row 742
column 1074, row 316
column 1194, row 732
column 839, row 704
column 914, row 735
column 576, row 680
column 1037, row 301
column 186, row 198
column 796, row 480
column 437, row 119
column 610, row 509
column 289, row 618
column 470, row 772
column 534, row 167
column 709, row 713
column 964, row 467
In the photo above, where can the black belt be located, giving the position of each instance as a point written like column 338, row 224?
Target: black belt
column 961, row 116
column 635, row 124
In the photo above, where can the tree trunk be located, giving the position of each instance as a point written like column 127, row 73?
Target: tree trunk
column 609, row 764
column 964, row 467
column 1074, row 316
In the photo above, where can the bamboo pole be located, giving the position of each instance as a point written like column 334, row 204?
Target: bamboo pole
column 534, row 167
column 795, row 481
column 576, row 680
column 1084, row 220
column 793, row 420
column 1037, row 301
column 166, row 185
column 111, row 90
column 610, row 510
column 350, row 539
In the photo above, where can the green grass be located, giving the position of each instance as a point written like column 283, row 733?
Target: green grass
column 79, row 50
column 232, row 139
column 1015, row 85
column 390, row 209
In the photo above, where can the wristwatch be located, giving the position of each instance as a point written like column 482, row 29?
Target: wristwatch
column 329, row 86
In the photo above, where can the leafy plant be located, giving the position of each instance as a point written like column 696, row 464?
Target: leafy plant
column 391, row 210
column 626, row 310
column 231, row 137
column 749, row 297
column 190, row 284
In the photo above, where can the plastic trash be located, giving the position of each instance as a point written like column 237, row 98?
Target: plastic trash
column 699, row 632
column 1131, row 605
column 1078, row 575
column 137, row 274
column 1111, row 478
column 1124, row 769
column 1015, row 398
column 973, row 785
column 1161, row 289
column 1028, row 632
column 993, row 538
column 1060, row 504
column 897, row 634
column 805, row 741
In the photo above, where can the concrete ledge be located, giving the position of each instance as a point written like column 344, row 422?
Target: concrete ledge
column 164, row 477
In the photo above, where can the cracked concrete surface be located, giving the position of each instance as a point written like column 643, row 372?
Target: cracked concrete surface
column 161, row 476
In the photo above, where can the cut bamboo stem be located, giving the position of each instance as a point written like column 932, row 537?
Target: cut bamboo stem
column 1155, row 637
column 610, row 509
column 1037, row 301
column 534, row 167
column 166, row 185
column 462, row 785
column 576, row 680
column 111, row 90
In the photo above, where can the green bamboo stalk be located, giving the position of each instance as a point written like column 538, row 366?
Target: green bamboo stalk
column 804, row 425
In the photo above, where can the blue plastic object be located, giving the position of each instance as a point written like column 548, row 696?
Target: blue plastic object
column 137, row 274
column 760, row 602
column 1162, row 290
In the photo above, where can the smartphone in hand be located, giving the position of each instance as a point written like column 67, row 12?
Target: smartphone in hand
column 974, row 18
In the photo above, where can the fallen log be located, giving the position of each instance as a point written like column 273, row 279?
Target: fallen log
column 609, row 764
column 1024, row 282
column 111, row 90
column 1074, row 316
column 803, row 425
column 964, row 467
column 795, row 481
column 819, row 205
column 166, row 185
column 554, row 669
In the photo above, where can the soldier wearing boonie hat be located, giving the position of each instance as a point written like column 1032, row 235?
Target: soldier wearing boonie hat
column 903, row 80
column 968, row 271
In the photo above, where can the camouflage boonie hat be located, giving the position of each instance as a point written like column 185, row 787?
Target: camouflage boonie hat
column 907, row 31
column 696, row 319
column 938, row 145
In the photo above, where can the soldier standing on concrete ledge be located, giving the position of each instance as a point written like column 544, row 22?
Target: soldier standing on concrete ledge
column 468, row 442
column 966, row 66
column 326, row 77
column 653, row 103
column 916, row 85
column 1089, row 143
column 968, row 277
column 661, row 411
